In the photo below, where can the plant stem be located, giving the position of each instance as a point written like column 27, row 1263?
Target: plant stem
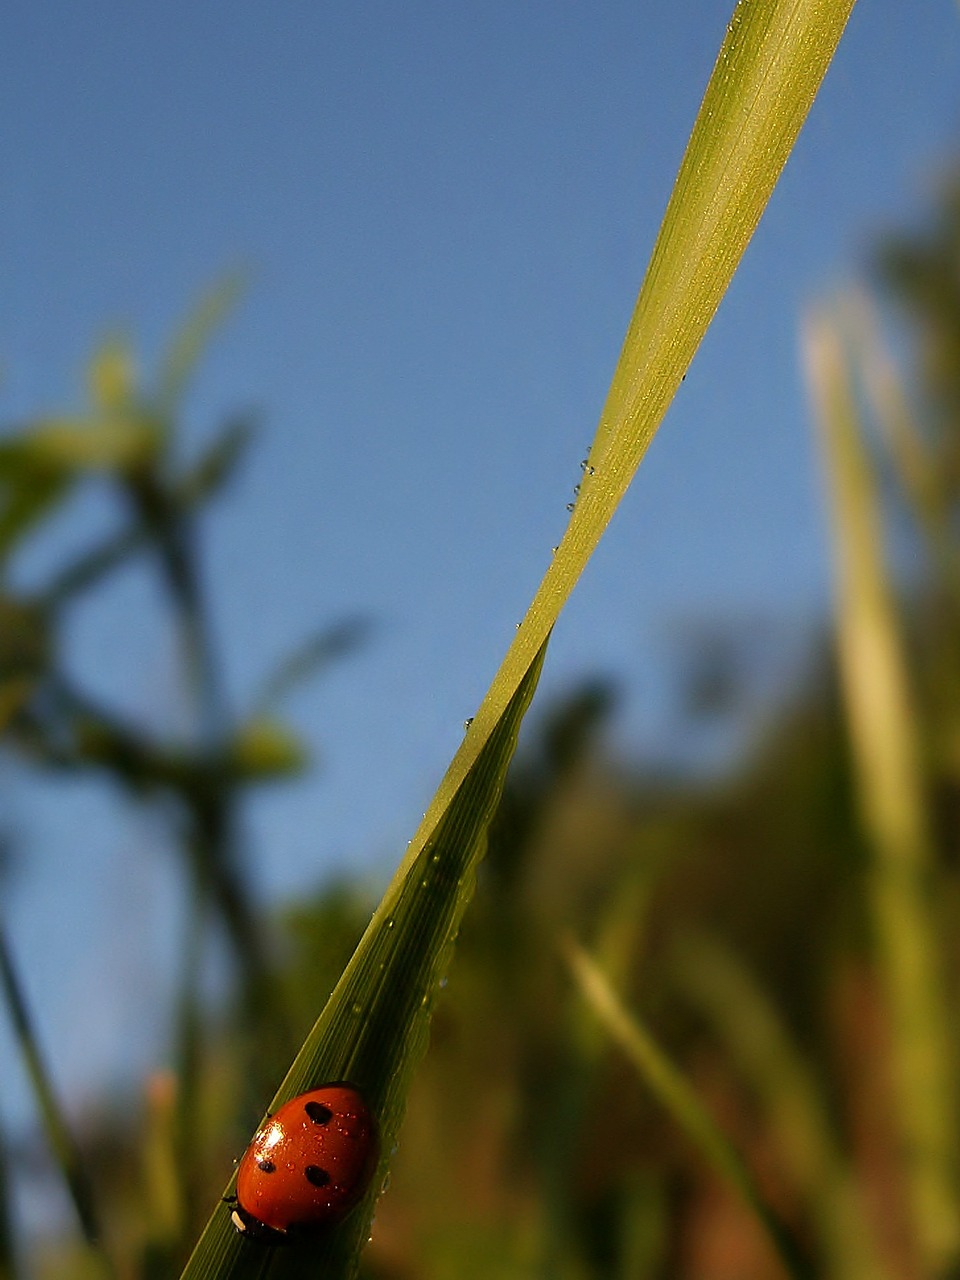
column 677, row 1096
column 54, row 1122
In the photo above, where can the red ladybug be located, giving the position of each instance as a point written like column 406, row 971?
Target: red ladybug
column 307, row 1166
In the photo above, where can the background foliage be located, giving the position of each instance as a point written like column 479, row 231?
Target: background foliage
column 732, row 912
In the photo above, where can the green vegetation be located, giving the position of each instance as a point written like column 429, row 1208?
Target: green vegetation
column 693, row 1028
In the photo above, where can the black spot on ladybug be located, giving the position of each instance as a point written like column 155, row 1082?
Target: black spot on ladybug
column 318, row 1113
column 266, row 1166
column 319, row 1177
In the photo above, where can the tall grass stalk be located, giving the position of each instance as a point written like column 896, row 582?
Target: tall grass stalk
column 924, row 482
column 678, row 1097
column 374, row 1027
column 619, row 932
column 882, row 728
column 926, row 487
column 770, row 1063
column 769, row 68
column 57, row 1130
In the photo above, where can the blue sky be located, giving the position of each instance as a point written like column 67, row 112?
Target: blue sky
column 446, row 211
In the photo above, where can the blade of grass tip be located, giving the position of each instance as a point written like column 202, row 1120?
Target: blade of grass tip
column 887, row 397
column 773, row 1067
column 676, row 1095
column 374, row 1028
column 58, row 1133
column 309, row 659
column 618, row 935
column 924, row 482
column 925, row 485
column 882, row 728
column 192, row 338
column 768, row 71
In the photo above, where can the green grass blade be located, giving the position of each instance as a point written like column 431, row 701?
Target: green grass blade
column 191, row 341
column 887, row 760
column 374, row 1028
column 767, row 74
column 58, row 1133
column 619, row 933
column 925, row 483
column 8, row 1263
column 310, row 659
column 772, row 1066
column 677, row 1096
column 769, row 68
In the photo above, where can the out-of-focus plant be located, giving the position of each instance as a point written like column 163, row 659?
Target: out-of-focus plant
column 885, row 740
column 790, row 1090
column 129, row 439
column 681, row 1100
column 54, row 1125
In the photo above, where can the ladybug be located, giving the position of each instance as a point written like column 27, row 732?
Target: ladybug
column 308, row 1165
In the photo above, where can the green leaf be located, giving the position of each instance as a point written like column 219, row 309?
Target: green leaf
column 215, row 466
column 93, row 444
column 923, row 474
column 25, row 639
column 373, row 1030
column 112, row 378
column 887, row 758
column 770, row 66
column 192, row 339
column 264, row 749
column 676, row 1095
column 794, row 1107
column 29, row 487
column 316, row 652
